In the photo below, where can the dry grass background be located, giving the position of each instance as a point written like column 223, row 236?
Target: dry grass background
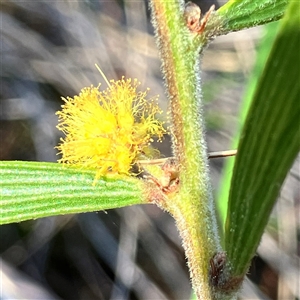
column 48, row 50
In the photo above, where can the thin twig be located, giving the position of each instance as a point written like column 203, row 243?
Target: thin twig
column 224, row 153
column 216, row 154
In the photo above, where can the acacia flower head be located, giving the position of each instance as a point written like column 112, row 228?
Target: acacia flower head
column 108, row 130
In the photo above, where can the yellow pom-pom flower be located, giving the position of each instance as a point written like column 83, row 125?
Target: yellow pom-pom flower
column 108, row 130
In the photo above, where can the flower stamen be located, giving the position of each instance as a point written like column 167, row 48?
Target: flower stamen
column 108, row 130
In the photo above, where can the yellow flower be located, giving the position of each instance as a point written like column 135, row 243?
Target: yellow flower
column 108, row 130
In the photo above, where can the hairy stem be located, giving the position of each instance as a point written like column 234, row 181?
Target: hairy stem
column 192, row 206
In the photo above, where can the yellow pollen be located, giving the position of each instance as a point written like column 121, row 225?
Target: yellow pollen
column 108, row 130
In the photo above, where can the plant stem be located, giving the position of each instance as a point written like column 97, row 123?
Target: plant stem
column 192, row 207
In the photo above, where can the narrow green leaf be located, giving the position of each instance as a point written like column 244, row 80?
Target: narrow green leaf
column 269, row 144
column 265, row 46
column 31, row 190
column 241, row 14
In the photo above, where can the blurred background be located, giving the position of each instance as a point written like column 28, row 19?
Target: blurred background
column 48, row 50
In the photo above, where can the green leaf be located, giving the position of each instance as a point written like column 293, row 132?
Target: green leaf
column 31, row 190
column 265, row 46
column 241, row 14
column 269, row 144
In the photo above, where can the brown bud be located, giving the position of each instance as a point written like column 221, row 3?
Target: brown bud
column 192, row 15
